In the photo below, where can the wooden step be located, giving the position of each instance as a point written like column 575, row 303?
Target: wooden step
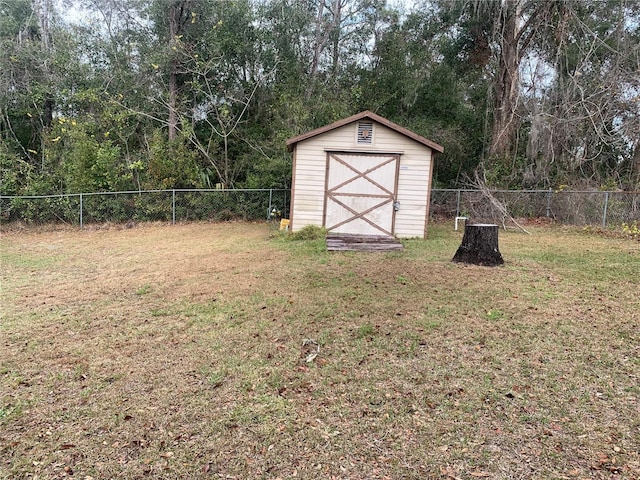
column 362, row 243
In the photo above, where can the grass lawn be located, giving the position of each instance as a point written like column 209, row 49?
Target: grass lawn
column 227, row 351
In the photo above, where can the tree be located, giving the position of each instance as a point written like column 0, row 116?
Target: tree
column 584, row 128
column 531, row 92
column 424, row 77
column 37, row 70
column 25, row 97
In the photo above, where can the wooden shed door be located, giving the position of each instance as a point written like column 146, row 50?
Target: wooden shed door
column 361, row 190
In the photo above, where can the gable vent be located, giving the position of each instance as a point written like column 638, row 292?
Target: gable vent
column 365, row 132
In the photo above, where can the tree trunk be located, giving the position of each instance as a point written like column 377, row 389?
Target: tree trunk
column 172, row 121
column 42, row 9
column 479, row 246
column 635, row 169
column 174, row 26
column 319, row 42
column 507, row 83
column 337, row 17
column 179, row 13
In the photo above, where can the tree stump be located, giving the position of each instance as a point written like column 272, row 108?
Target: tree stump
column 479, row 246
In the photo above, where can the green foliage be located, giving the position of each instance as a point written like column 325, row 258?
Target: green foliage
column 171, row 163
column 90, row 165
column 43, row 210
column 274, row 172
column 14, row 172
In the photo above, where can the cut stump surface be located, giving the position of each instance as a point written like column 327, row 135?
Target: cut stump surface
column 479, row 246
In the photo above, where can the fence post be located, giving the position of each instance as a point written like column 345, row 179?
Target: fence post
column 549, row 202
column 604, row 212
column 458, row 204
column 270, row 199
column 173, row 207
column 81, row 222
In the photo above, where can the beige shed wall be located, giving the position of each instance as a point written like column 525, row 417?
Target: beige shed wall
column 413, row 177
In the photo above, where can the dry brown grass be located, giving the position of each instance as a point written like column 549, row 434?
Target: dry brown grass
column 179, row 352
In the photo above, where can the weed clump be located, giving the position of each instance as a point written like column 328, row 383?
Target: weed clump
column 310, row 232
column 625, row 230
column 631, row 229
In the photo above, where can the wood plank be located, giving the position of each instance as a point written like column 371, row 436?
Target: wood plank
column 352, row 242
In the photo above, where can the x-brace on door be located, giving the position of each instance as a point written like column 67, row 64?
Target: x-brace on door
column 361, row 191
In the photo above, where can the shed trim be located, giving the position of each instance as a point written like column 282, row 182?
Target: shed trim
column 368, row 152
column 293, row 191
column 359, row 116
column 428, row 205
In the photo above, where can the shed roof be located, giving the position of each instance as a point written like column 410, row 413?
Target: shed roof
column 359, row 116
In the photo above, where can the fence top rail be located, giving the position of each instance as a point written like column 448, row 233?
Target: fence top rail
column 617, row 192
column 133, row 192
column 59, row 195
column 84, row 194
column 231, row 190
column 490, row 190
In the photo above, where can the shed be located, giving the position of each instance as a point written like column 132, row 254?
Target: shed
column 362, row 175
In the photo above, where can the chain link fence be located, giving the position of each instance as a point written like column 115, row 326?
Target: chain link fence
column 567, row 207
column 150, row 205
